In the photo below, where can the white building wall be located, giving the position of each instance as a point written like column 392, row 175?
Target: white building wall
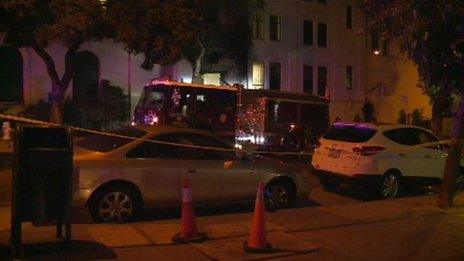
column 345, row 47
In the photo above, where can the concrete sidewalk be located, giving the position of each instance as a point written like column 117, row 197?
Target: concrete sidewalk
column 405, row 228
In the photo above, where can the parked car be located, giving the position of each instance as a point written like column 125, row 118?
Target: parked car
column 386, row 158
column 118, row 176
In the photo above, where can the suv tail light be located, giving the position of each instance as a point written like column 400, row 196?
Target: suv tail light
column 367, row 150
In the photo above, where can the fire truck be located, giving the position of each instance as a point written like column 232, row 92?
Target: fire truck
column 261, row 119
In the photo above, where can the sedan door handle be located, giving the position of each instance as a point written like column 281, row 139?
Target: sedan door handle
column 430, row 156
column 401, row 154
column 192, row 170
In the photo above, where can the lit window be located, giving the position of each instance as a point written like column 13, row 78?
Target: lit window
column 258, row 25
column 258, row 75
column 212, row 78
column 274, row 28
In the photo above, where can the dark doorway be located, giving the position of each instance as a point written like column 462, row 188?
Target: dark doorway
column 11, row 75
column 86, row 72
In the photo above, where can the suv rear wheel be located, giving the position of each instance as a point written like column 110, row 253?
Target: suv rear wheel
column 390, row 185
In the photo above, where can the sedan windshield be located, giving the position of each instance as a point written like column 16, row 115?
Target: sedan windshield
column 105, row 143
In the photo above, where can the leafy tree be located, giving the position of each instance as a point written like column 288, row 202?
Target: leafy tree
column 432, row 35
column 158, row 29
column 155, row 28
column 222, row 32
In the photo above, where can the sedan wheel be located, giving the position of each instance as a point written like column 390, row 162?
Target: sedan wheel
column 390, row 186
column 114, row 205
column 279, row 196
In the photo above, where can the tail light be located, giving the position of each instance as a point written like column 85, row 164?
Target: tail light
column 367, row 150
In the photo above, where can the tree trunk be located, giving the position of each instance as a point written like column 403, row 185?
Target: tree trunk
column 59, row 86
column 437, row 120
column 56, row 112
column 196, row 76
column 447, row 190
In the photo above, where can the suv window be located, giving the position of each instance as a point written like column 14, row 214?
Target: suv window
column 410, row 136
column 350, row 133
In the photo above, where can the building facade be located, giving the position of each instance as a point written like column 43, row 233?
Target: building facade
column 303, row 46
column 311, row 47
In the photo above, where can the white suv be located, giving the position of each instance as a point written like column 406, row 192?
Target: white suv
column 384, row 157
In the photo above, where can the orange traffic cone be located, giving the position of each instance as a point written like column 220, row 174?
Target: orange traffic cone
column 257, row 241
column 188, row 227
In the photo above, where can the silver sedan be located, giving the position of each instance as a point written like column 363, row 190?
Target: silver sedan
column 117, row 176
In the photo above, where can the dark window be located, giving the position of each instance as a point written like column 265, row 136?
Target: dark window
column 258, row 25
column 385, row 47
column 282, row 111
column 85, row 77
column 349, row 77
column 321, row 80
column 308, row 32
column 274, row 28
column 374, row 42
column 307, row 78
column 410, row 136
column 11, row 74
column 322, row 34
column 349, row 17
column 316, row 117
column 168, row 151
column 322, row 1
column 349, row 133
column 274, row 76
column 104, row 143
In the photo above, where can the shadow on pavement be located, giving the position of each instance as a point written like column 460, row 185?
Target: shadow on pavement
column 174, row 213
column 77, row 250
column 362, row 194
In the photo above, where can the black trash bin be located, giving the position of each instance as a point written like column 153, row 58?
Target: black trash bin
column 42, row 179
